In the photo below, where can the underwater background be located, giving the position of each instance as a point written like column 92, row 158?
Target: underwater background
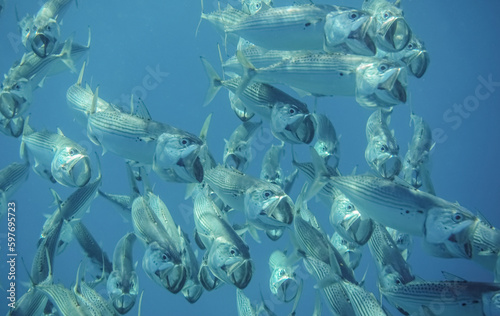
column 131, row 38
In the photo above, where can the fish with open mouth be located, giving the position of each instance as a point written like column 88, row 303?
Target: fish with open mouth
column 123, row 282
column 238, row 149
column 382, row 151
column 16, row 99
column 283, row 282
column 374, row 82
column 57, row 158
column 227, row 257
column 389, row 29
column 327, row 143
column 265, row 205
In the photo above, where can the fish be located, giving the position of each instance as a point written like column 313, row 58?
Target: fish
column 123, row 283
column 162, row 260
column 43, row 260
column 485, row 242
column 47, row 29
column 374, row 82
column 290, row 119
column 57, row 158
column 192, row 289
column 239, row 108
column 94, row 252
column 271, row 169
column 283, row 283
column 306, row 27
column 254, row 6
column 327, row 143
column 221, row 19
column 455, row 297
column 348, row 222
column 416, row 160
column 389, row 29
column 12, row 178
column 16, row 98
column 87, row 296
column 350, row 252
column 265, row 205
column 64, row 299
column 244, row 305
column 403, row 241
column 227, row 257
column 382, row 151
column 238, row 149
column 11, row 127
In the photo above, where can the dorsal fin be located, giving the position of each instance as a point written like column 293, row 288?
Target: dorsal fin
column 142, row 110
column 80, row 77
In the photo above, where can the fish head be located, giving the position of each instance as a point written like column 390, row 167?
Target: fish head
column 329, row 151
column 389, row 29
column 123, row 290
column 230, row 262
column 237, row 155
column 71, row 167
column 284, row 284
column 382, row 156
column 349, row 27
column 403, row 241
column 164, row 267
column 28, row 30
column 177, row 158
column 380, row 83
column 415, row 57
column 348, row 223
column 11, row 127
column 239, row 108
column 268, row 207
column 292, row 123
column 16, row 98
column 350, row 252
column 45, row 39
column 453, row 227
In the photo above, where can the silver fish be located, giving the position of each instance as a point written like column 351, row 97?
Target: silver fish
column 123, row 282
column 382, row 151
column 16, row 98
column 238, row 149
column 350, row 252
column 221, row 19
column 485, row 243
column 264, row 204
column 11, row 178
column 227, row 256
column 348, row 222
column 283, row 283
column 254, row 6
column 57, row 158
column 245, row 307
column 43, row 259
column 403, row 241
column 239, row 108
column 271, row 170
column 292, row 124
column 87, row 296
column 162, row 260
column 65, row 300
column 388, row 29
column 327, row 143
column 192, row 289
column 11, row 127
column 374, row 82
column 414, row 56
column 415, row 163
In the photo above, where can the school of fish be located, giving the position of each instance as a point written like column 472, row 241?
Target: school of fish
column 321, row 50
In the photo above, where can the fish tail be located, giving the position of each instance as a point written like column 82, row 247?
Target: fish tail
column 214, row 81
column 66, row 55
column 249, row 71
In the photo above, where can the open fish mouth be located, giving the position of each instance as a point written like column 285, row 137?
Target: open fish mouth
column 10, row 104
column 42, row 45
column 197, row 169
column 417, row 63
column 192, row 293
column 282, row 211
column 80, row 171
column 390, row 167
column 355, row 229
column 394, row 88
column 394, row 34
column 287, row 289
column 124, row 303
column 301, row 131
column 173, row 279
column 240, row 273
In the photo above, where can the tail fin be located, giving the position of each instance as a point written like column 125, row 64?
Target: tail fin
column 249, row 71
column 214, row 81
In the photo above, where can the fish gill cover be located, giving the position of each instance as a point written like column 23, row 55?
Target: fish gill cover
column 344, row 60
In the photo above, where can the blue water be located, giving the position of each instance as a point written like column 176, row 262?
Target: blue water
column 129, row 38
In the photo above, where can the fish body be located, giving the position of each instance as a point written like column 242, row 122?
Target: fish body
column 327, row 143
column 238, row 149
column 264, row 204
column 192, row 289
column 414, row 56
column 382, row 151
column 374, row 82
column 57, row 158
column 11, row 178
column 123, row 282
column 227, row 256
column 221, row 19
column 416, row 160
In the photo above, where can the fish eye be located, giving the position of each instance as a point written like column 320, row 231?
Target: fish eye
column 291, row 111
column 353, row 16
column 164, row 256
column 410, row 46
column 457, row 217
column 234, row 252
column 118, row 284
column 349, row 207
column 185, row 141
column 383, row 67
column 386, row 15
column 383, row 148
column 398, row 281
column 266, row 194
column 281, row 273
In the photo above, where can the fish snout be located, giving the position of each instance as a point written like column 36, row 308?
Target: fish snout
column 417, row 63
column 45, row 39
column 283, row 212
column 10, row 104
column 81, row 172
column 192, row 293
column 394, row 34
column 360, row 41
column 174, row 279
column 391, row 167
column 124, row 303
column 394, row 88
column 241, row 274
column 288, row 289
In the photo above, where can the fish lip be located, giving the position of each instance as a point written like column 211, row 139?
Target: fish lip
column 193, row 296
column 240, row 273
column 288, row 285
column 120, row 306
column 395, row 34
column 175, row 284
column 42, row 45
column 8, row 104
column 302, row 130
column 284, row 206
column 418, row 63
column 390, row 167
column 394, row 86
column 80, row 170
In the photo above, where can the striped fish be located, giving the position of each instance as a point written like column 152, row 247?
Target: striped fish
column 65, row 300
column 11, row 178
column 238, row 149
